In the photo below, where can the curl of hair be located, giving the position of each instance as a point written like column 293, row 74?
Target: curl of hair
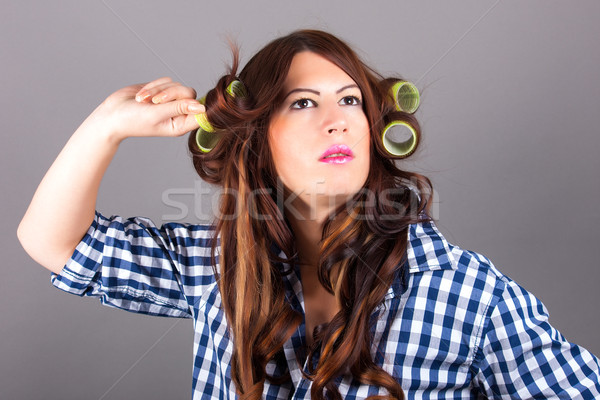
column 372, row 226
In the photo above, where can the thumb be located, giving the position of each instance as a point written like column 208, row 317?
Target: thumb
column 178, row 117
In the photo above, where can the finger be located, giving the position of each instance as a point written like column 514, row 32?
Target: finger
column 142, row 95
column 166, row 92
column 149, row 94
column 157, row 82
column 177, row 117
column 175, row 92
column 153, row 94
column 177, row 108
column 183, row 124
column 157, row 92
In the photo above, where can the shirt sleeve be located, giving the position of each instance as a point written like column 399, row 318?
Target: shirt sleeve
column 136, row 266
column 523, row 357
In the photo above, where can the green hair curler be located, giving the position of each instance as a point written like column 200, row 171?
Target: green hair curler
column 236, row 89
column 406, row 96
column 395, row 141
column 206, row 136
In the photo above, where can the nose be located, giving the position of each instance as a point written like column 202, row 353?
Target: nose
column 332, row 130
column 336, row 121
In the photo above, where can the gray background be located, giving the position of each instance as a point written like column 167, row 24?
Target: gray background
column 510, row 103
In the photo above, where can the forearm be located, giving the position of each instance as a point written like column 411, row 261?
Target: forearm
column 63, row 206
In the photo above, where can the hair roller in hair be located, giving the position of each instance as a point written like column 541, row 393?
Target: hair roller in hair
column 236, row 89
column 400, row 138
column 406, row 96
column 206, row 136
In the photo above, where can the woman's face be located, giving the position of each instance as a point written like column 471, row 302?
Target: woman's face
column 319, row 136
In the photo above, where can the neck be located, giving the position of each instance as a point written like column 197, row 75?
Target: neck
column 319, row 304
column 307, row 221
column 308, row 233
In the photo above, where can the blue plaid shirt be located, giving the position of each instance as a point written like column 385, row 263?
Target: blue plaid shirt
column 453, row 328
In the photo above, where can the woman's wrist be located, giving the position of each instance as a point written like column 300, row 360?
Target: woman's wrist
column 98, row 131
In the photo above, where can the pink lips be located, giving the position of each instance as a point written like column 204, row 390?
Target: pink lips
column 337, row 154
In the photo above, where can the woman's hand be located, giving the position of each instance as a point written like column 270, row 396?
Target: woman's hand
column 158, row 108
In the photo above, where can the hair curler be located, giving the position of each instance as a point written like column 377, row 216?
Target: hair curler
column 400, row 138
column 206, row 136
column 406, row 96
column 236, row 89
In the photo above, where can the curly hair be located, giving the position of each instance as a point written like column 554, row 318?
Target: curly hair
column 372, row 226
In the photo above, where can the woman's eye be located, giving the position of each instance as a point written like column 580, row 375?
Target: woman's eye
column 350, row 101
column 303, row 103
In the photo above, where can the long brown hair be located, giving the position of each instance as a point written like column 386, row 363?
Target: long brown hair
column 252, row 228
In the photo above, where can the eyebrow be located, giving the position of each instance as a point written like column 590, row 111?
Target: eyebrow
column 351, row 86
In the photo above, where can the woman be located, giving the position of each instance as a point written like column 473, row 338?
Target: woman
column 323, row 276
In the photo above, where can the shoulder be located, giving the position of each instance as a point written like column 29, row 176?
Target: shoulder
column 428, row 251
column 447, row 295
column 457, row 286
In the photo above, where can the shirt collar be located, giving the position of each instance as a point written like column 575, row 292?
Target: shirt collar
column 427, row 250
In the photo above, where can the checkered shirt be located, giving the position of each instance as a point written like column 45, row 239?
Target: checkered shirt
column 453, row 328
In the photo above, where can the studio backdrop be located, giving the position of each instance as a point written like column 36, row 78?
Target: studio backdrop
column 510, row 98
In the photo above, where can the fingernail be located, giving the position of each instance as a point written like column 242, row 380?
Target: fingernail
column 196, row 108
column 141, row 97
column 157, row 99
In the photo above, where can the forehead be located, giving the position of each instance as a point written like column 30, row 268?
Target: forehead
column 310, row 69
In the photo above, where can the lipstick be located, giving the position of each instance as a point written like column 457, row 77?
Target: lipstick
column 337, row 154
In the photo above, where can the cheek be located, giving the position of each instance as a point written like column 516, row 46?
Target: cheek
column 286, row 140
column 279, row 145
column 363, row 139
column 365, row 151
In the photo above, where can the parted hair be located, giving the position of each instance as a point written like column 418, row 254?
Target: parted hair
column 254, row 245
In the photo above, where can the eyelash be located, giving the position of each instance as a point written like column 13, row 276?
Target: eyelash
column 296, row 104
column 355, row 100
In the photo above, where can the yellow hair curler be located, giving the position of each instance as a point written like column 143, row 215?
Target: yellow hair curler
column 206, row 136
column 400, row 138
column 406, row 96
column 236, row 89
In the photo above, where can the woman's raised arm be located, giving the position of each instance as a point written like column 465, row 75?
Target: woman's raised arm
column 63, row 205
